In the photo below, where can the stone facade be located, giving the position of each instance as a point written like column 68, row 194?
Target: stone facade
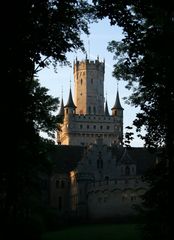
column 104, row 181
column 95, row 176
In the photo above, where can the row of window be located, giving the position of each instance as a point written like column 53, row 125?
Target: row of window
column 91, row 80
column 94, row 117
column 94, row 127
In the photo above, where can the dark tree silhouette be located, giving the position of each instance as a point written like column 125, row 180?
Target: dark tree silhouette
column 145, row 58
column 37, row 33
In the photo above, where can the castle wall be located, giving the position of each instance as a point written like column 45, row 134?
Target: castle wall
column 115, row 198
column 85, row 129
column 60, row 193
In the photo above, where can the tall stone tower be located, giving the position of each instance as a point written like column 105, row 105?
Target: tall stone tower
column 86, row 119
column 89, row 87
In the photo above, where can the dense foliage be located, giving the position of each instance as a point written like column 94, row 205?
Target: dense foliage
column 37, row 33
column 145, row 59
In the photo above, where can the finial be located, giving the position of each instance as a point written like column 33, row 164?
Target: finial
column 70, row 80
column 62, row 91
column 117, row 85
column 89, row 49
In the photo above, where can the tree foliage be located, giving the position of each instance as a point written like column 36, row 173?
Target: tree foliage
column 37, row 33
column 145, row 59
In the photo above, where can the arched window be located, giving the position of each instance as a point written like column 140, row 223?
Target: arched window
column 81, row 81
column 127, row 171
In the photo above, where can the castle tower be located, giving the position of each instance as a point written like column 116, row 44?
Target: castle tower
column 89, row 87
column 87, row 120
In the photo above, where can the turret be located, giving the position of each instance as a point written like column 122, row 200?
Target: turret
column 106, row 111
column 61, row 111
column 117, row 109
column 70, row 106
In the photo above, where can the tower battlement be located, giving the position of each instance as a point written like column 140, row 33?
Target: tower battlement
column 88, row 64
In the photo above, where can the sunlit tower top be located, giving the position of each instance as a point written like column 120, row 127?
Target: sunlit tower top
column 89, row 86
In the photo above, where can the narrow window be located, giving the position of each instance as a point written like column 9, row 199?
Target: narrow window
column 107, row 179
column 94, row 109
column 89, row 110
column 57, row 183
column 127, row 170
column 62, row 184
column 60, row 203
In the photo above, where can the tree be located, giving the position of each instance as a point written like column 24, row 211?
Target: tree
column 37, row 34
column 145, row 58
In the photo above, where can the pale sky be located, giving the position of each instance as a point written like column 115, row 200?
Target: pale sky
column 96, row 46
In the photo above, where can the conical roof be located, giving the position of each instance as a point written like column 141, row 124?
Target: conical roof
column 61, row 111
column 70, row 102
column 117, row 104
column 106, row 111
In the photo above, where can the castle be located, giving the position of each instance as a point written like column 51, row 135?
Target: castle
column 94, row 175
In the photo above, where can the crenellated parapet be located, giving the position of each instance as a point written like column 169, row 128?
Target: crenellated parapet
column 89, row 64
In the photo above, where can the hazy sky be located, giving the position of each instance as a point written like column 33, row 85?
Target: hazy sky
column 96, row 46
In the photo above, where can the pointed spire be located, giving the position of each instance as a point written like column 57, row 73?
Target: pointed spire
column 106, row 111
column 70, row 102
column 117, row 104
column 61, row 111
